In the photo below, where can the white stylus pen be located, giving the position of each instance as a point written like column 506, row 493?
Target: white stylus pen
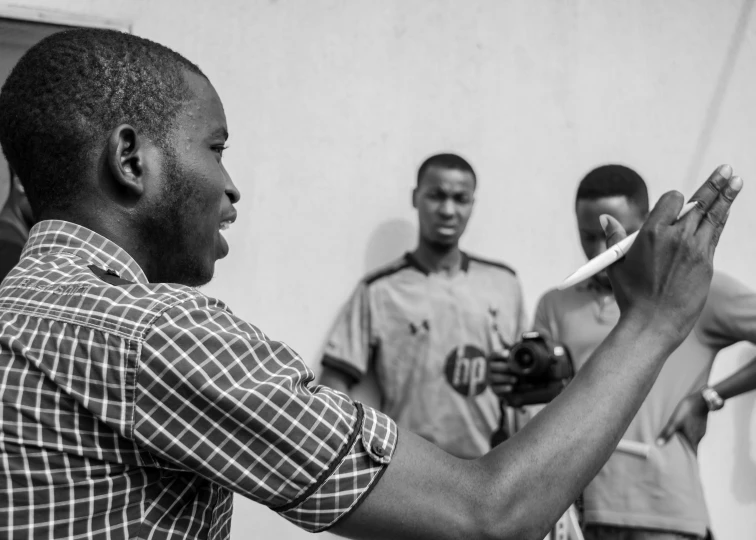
column 611, row 255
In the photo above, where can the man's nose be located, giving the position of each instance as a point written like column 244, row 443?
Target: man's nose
column 447, row 208
column 231, row 189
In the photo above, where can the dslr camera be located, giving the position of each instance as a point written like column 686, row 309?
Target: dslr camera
column 542, row 369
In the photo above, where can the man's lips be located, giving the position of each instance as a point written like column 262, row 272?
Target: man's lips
column 227, row 220
column 446, row 229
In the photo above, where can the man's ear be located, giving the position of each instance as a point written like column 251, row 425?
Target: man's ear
column 126, row 159
column 414, row 198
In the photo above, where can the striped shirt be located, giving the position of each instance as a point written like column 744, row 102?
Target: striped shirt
column 135, row 410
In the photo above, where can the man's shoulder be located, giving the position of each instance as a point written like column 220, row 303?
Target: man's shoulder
column 724, row 285
column 96, row 297
column 727, row 298
column 552, row 296
column 158, row 297
column 555, row 298
column 491, row 265
column 386, row 271
column 550, row 300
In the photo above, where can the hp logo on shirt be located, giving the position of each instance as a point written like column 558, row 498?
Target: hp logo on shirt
column 467, row 370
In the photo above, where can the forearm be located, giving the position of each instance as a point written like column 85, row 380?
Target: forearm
column 543, row 468
column 744, row 380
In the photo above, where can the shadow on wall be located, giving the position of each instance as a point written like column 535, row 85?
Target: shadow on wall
column 389, row 241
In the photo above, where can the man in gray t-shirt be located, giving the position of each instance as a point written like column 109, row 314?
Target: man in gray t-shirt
column 427, row 323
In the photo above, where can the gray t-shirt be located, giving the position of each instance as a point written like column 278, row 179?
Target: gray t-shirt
column 662, row 491
column 427, row 336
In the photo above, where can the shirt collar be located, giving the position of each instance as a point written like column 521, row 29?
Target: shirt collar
column 55, row 235
column 413, row 261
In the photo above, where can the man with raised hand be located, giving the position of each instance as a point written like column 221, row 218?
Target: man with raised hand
column 134, row 406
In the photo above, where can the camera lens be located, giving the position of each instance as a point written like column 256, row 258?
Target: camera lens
column 525, row 359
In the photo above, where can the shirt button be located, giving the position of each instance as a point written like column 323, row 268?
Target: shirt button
column 378, row 450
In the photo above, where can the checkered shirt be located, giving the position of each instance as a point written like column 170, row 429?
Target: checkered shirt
column 136, row 410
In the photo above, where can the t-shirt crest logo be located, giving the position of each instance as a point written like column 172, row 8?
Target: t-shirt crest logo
column 415, row 328
column 467, row 370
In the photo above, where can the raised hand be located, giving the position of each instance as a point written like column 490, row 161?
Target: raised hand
column 664, row 279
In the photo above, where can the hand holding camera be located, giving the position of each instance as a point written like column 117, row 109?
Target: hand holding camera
column 532, row 371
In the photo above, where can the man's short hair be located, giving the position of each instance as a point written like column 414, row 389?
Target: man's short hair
column 445, row 161
column 70, row 90
column 614, row 181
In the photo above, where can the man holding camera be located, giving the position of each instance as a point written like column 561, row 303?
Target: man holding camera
column 427, row 323
column 647, row 490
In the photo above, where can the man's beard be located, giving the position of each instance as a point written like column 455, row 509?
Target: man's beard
column 442, row 248
column 168, row 236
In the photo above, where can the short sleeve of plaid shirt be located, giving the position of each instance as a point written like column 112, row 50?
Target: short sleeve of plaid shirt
column 215, row 396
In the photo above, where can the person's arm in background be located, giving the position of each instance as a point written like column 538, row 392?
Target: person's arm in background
column 349, row 346
column 740, row 382
column 524, row 485
column 729, row 317
column 544, row 322
column 523, row 322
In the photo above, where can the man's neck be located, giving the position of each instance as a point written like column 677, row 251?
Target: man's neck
column 438, row 259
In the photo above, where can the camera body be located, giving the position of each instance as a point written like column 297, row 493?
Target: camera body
column 542, row 369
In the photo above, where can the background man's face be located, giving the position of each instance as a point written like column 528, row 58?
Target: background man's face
column 444, row 201
column 592, row 236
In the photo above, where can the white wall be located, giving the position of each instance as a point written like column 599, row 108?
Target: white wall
column 333, row 104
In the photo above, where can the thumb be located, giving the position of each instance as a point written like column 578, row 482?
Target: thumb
column 613, row 230
column 667, row 432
